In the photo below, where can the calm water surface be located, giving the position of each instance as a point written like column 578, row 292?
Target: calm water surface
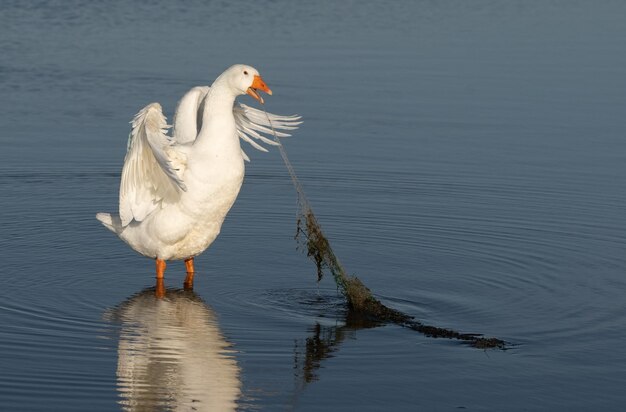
column 466, row 159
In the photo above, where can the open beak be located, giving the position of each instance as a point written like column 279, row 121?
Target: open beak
column 258, row 84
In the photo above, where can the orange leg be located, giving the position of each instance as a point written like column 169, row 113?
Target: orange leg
column 159, row 289
column 189, row 265
column 190, row 272
column 160, row 268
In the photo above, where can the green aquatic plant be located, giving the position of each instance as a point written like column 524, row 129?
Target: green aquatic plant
column 358, row 296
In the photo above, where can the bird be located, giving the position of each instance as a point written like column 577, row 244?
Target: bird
column 179, row 181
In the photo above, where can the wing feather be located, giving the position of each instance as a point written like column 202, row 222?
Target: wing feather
column 149, row 177
column 252, row 122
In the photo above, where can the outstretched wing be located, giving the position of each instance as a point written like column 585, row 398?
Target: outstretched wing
column 152, row 168
column 251, row 122
column 188, row 116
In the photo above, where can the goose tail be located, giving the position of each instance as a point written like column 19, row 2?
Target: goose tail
column 110, row 221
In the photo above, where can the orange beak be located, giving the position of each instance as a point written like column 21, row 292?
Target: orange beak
column 258, row 84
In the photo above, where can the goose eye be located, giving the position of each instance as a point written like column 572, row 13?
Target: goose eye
column 245, row 72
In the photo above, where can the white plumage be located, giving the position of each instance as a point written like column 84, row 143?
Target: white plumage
column 176, row 190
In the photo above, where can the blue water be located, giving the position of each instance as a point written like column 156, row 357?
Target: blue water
column 465, row 159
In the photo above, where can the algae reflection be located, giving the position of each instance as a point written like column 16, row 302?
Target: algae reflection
column 323, row 342
column 172, row 354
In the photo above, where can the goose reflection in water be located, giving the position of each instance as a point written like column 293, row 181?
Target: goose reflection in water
column 172, row 355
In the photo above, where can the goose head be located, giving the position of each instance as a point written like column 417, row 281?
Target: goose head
column 245, row 79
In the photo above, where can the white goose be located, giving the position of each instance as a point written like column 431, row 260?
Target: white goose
column 176, row 191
